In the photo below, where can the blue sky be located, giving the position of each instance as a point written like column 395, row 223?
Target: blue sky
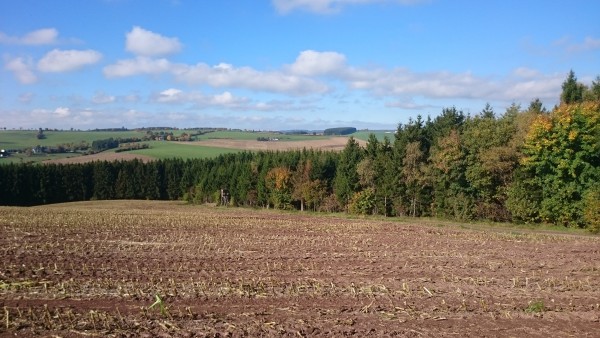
column 284, row 64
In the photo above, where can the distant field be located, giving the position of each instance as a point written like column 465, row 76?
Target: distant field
column 208, row 145
column 335, row 143
column 23, row 158
column 249, row 135
column 185, row 150
column 12, row 139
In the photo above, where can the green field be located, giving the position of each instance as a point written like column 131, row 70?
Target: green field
column 19, row 139
column 12, row 139
column 162, row 150
column 23, row 158
column 22, row 139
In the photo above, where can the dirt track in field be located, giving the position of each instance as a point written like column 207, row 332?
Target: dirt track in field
column 333, row 143
column 95, row 268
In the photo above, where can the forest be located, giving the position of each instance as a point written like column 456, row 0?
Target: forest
column 529, row 165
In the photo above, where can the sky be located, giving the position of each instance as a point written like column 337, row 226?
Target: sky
column 284, row 64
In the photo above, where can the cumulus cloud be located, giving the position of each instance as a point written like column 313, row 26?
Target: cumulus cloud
column 542, row 86
column 293, row 80
column 62, row 112
column 312, row 63
column 141, row 65
column 146, row 43
column 21, row 69
column 57, row 61
column 170, row 95
column 45, row 36
column 303, row 77
column 328, row 6
column 225, row 75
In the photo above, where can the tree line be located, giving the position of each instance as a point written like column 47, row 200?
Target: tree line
column 524, row 165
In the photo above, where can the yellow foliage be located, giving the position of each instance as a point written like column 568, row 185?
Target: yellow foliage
column 280, row 177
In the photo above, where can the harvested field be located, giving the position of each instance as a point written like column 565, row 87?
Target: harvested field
column 96, row 269
column 104, row 156
column 333, row 143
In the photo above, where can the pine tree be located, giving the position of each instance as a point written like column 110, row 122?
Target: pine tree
column 572, row 91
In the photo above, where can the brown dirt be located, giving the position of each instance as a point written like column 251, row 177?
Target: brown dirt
column 94, row 269
column 123, row 156
column 333, row 143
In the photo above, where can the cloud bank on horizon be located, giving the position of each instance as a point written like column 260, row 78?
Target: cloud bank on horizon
column 287, row 64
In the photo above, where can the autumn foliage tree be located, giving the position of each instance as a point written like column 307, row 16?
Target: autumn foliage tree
column 279, row 183
column 561, row 165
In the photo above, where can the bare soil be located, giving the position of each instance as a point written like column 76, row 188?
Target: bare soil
column 334, row 143
column 96, row 268
column 122, row 156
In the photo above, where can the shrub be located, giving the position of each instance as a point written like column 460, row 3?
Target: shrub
column 363, row 202
column 591, row 209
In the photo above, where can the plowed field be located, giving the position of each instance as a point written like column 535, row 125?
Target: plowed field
column 333, row 143
column 97, row 268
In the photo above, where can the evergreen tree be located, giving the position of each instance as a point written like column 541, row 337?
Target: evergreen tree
column 346, row 178
column 572, row 91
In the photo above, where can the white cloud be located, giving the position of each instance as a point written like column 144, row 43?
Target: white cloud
column 589, row 43
column 21, row 69
column 311, row 63
column 523, row 85
column 139, row 66
column 177, row 96
column 403, row 82
column 41, row 37
column 302, row 78
column 62, row 112
column 57, row 61
column 224, row 75
column 170, row 95
column 408, row 104
column 541, row 86
column 45, row 36
column 329, row 6
column 146, row 43
column 103, row 98
column 525, row 72
column 224, row 98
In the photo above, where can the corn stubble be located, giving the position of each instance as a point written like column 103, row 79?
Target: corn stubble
column 155, row 268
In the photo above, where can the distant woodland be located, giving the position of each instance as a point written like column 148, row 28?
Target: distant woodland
column 527, row 165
